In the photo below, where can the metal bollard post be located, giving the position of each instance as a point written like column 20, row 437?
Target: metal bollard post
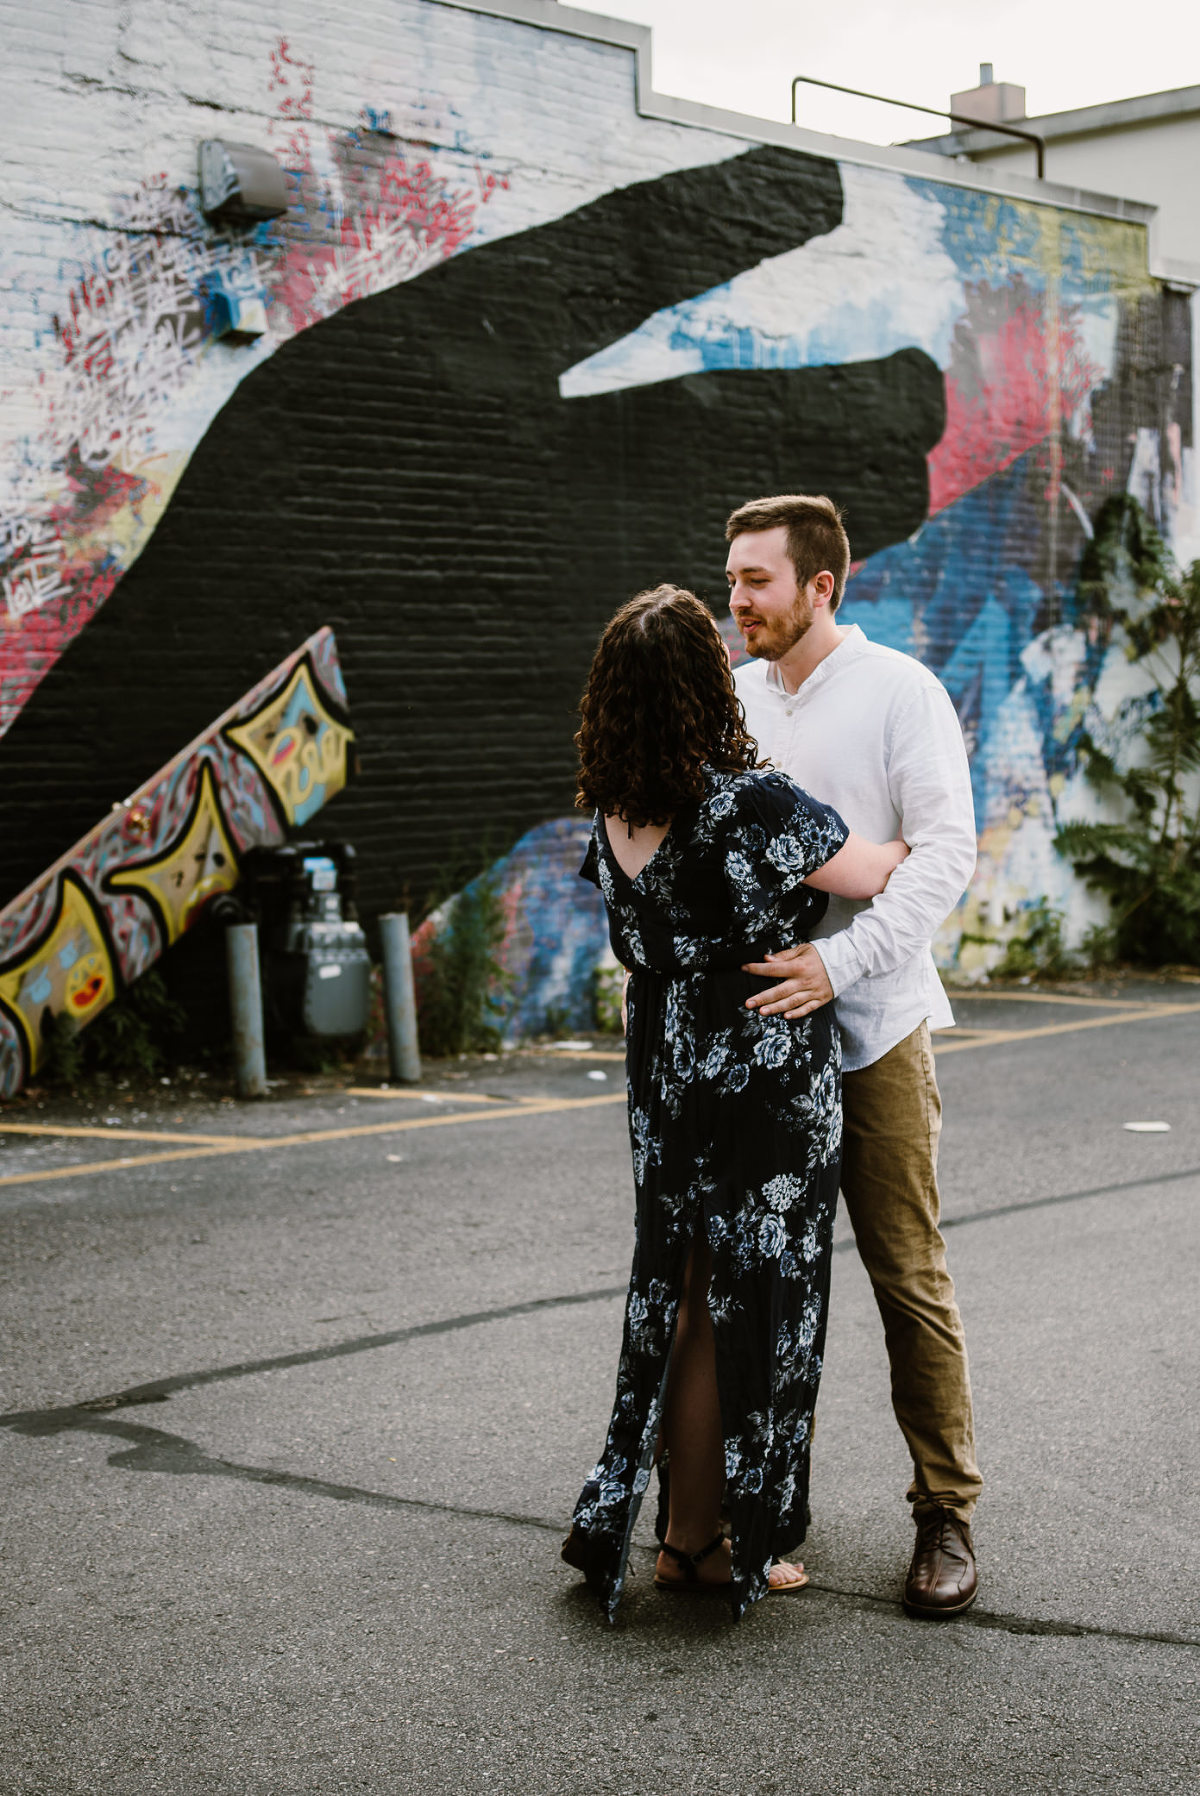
column 399, row 998
column 245, row 1004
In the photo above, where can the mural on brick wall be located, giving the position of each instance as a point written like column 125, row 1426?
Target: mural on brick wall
column 119, row 898
column 1043, row 326
column 552, row 343
column 1050, row 337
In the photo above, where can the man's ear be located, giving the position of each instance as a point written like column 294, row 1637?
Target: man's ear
column 822, row 589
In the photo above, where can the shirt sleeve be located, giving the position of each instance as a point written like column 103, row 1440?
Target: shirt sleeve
column 929, row 782
column 777, row 837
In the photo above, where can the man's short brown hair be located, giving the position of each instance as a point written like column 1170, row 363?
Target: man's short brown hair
column 816, row 536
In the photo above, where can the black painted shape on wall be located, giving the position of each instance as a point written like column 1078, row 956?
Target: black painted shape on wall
column 408, row 472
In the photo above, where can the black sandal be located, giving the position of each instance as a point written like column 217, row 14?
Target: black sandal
column 690, row 1583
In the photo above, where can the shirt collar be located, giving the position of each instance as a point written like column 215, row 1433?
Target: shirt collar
column 848, row 649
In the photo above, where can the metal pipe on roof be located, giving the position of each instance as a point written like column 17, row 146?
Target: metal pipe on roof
column 957, row 118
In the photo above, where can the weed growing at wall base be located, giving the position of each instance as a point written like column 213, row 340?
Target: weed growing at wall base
column 1039, row 951
column 460, row 998
column 140, row 1033
column 1148, row 863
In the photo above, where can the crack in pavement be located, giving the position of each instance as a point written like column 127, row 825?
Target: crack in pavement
column 156, row 1450
column 1069, row 1197
column 158, row 1390
column 1013, row 1624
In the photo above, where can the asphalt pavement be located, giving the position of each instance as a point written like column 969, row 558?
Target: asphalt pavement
column 298, row 1396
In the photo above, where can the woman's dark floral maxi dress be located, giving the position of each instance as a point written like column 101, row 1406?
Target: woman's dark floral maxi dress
column 735, row 1121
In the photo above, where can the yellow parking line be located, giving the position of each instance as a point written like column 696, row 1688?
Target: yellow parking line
column 213, row 1146
column 422, row 1097
column 16, row 1128
column 123, row 1163
column 536, row 1107
column 239, row 1141
column 998, row 1037
column 249, row 1144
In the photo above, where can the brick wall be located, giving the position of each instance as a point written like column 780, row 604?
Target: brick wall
column 526, row 348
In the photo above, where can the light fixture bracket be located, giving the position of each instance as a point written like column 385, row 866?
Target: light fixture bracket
column 239, row 183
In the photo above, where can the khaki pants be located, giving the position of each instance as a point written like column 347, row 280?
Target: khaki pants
column 892, row 1121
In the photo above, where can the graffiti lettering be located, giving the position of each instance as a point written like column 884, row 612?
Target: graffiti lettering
column 30, row 548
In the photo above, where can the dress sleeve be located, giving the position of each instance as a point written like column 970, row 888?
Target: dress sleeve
column 590, row 868
column 777, row 836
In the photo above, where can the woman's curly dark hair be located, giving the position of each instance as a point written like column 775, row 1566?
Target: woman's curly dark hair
column 658, row 708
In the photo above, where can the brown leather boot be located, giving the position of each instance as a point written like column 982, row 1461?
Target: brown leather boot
column 942, row 1579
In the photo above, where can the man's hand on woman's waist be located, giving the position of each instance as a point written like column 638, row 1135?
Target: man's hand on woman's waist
column 805, row 984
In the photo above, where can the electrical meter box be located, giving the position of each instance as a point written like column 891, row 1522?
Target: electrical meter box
column 316, row 967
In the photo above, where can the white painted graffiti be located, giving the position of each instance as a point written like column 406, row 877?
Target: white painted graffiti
column 30, row 547
column 135, row 329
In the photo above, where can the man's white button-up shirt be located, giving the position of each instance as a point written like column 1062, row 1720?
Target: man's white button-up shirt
column 874, row 734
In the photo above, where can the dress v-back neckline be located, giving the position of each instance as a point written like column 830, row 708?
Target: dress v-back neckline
column 650, row 858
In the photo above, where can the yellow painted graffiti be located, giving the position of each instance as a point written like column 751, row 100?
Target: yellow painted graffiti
column 298, row 746
column 69, row 973
column 198, row 865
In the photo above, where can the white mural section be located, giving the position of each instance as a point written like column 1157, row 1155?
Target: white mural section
column 879, row 282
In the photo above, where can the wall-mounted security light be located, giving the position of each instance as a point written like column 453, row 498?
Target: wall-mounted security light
column 236, row 317
column 239, row 183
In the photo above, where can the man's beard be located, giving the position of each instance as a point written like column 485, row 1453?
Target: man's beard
column 771, row 642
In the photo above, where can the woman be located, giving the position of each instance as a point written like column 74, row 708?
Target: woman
column 735, row 1118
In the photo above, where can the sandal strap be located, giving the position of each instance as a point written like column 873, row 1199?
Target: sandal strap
column 689, row 1561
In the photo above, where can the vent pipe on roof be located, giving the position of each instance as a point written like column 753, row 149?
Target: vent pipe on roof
column 992, row 101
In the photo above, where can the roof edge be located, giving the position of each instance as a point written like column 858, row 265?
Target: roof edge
column 1082, row 121
column 905, row 159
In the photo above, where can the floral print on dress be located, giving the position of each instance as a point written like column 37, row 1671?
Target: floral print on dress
column 735, row 1127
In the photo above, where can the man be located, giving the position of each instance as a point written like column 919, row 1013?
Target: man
column 874, row 734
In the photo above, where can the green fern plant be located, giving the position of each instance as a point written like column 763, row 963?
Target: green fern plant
column 1148, row 862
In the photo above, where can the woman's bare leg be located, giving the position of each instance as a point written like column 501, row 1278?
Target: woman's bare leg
column 692, row 1425
column 691, row 1433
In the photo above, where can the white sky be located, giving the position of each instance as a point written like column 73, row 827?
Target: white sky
column 742, row 54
